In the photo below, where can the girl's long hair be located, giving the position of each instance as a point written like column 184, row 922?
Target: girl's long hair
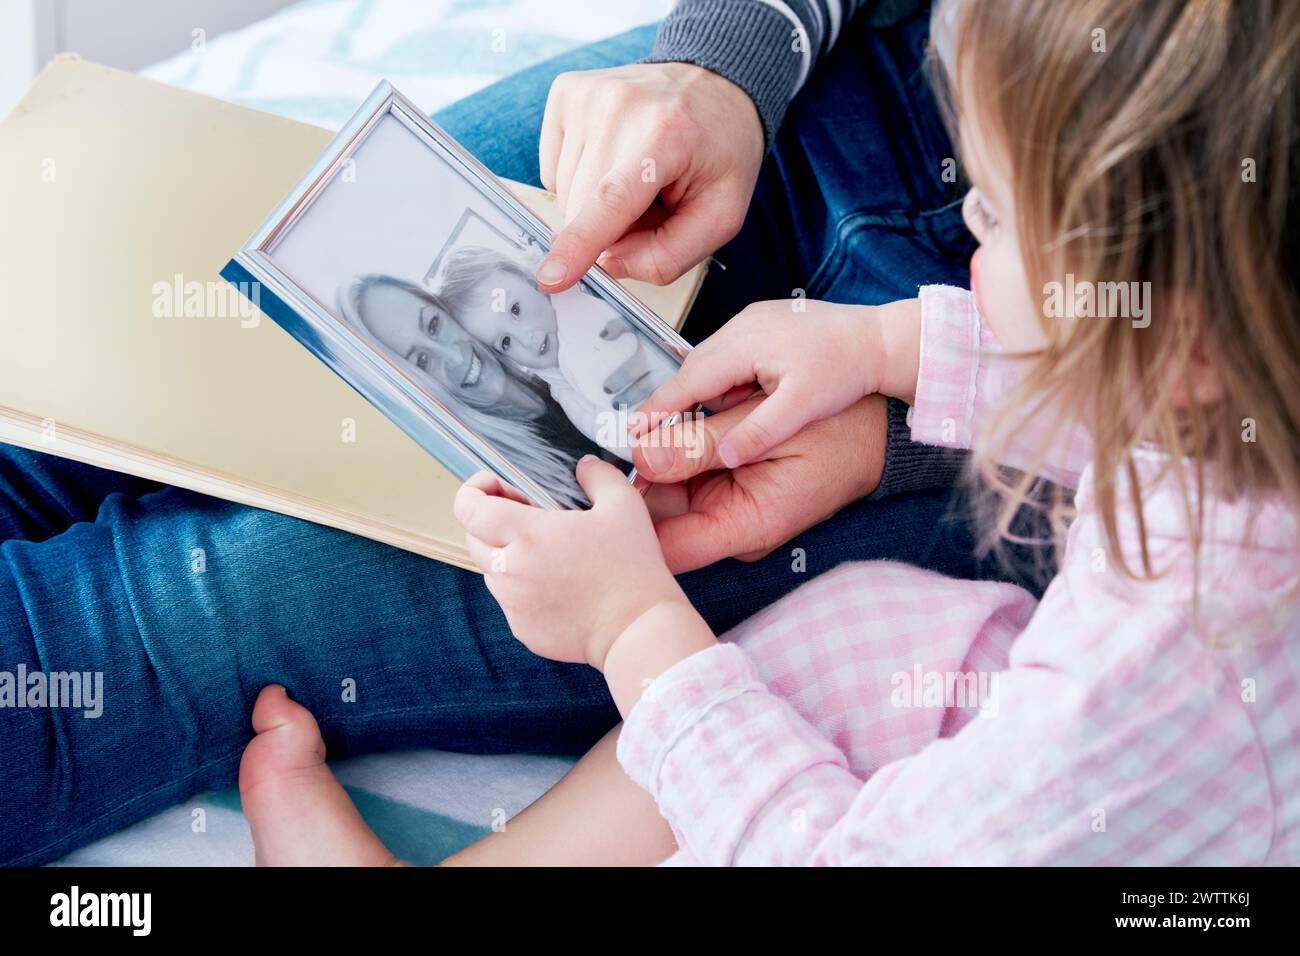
column 519, row 440
column 1150, row 141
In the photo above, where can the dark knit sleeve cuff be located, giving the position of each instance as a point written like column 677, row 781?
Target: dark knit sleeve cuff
column 912, row 466
column 750, row 44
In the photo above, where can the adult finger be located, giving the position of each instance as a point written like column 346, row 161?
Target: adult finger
column 604, row 215
column 571, row 153
column 594, row 162
column 678, row 452
column 666, row 501
column 552, row 138
column 696, row 539
column 692, row 232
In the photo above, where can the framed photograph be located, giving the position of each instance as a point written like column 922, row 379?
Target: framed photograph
column 406, row 267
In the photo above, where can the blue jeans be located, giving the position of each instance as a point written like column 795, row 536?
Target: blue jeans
column 98, row 574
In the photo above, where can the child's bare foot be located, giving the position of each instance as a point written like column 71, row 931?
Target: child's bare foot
column 299, row 814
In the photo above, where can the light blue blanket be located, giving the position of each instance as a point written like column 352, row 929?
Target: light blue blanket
column 317, row 60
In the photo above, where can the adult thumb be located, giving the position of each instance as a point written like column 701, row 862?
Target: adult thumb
column 690, row 448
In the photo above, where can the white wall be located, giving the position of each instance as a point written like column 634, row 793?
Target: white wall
column 18, row 44
column 127, row 34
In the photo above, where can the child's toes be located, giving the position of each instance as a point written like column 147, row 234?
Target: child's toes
column 298, row 813
column 288, row 738
column 275, row 709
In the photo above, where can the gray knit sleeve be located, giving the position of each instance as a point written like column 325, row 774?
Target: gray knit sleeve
column 912, row 466
column 768, row 49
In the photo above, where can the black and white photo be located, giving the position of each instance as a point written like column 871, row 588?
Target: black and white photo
column 410, row 271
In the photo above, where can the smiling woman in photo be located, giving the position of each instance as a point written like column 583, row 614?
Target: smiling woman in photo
column 586, row 352
column 479, row 390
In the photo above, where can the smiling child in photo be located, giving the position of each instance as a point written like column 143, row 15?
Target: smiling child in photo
column 590, row 358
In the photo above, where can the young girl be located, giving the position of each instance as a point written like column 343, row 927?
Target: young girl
column 1147, row 709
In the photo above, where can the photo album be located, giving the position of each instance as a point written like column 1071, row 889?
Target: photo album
column 396, row 259
column 406, row 267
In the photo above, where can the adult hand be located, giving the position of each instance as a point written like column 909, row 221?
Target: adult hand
column 704, row 512
column 654, row 165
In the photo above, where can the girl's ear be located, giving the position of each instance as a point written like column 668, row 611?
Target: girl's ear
column 1204, row 381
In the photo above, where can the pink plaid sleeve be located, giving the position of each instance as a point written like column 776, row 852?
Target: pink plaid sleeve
column 962, row 382
column 1141, row 767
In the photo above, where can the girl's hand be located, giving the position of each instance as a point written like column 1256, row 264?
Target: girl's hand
column 811, row 366
column 570, row 582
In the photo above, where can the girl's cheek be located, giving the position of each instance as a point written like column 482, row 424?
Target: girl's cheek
column 999, row 309
column 975, row 265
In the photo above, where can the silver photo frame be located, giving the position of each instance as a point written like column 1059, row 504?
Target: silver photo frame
column 394, row 386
